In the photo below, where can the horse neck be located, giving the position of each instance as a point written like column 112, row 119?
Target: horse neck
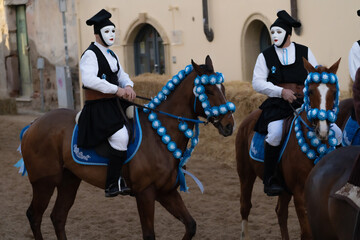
column 179, row 103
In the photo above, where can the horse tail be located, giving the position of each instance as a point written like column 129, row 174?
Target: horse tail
column 20, row 164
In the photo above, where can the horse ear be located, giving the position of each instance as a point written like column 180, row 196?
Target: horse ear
column 196, row 67
column 209, row 64
column 333, row 69
column 308, row 66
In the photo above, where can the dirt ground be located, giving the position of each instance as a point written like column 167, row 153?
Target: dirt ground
column 217, row 210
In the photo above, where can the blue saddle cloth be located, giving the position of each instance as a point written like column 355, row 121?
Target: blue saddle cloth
column 257, row 146
column 90, row 157
column 351, row 133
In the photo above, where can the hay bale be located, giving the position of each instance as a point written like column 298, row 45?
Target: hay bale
column 148, row 85
column 8, row 106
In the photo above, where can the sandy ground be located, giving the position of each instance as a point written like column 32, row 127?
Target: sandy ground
column 217, row 210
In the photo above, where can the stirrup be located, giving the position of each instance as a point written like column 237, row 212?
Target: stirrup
column 123, row 190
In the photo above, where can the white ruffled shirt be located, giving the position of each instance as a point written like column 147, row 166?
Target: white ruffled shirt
column 354, row 60
column 89, row 70
column 261, row 71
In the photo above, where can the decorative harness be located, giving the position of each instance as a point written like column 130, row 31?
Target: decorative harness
column 210, row 111
column 314, row 113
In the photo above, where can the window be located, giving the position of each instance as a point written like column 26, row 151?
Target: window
column 149, row 51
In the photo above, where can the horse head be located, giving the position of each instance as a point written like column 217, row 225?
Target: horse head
column 321, row 97
column 212, row 104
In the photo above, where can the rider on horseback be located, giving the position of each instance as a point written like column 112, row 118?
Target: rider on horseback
column 279, row 73
column 102, row 120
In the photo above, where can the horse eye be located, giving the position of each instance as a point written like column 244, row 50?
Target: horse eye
column 209, row 92
column 310, row 92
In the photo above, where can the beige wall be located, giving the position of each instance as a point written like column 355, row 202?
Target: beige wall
column 329, row 29
column 45, row 30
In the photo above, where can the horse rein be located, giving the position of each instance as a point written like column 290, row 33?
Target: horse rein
column 164, row 113
column 298, row 116
column 143, row 98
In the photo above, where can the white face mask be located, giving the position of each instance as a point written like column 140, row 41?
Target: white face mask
column 277, row 35
column 108, row 34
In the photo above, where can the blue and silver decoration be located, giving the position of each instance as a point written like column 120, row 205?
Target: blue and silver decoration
column 314, row 113
column 199, row 91
column 321, row 148
column 273, row 69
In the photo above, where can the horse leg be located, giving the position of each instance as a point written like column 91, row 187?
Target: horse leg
column 173, row 202
column 67, row 190
column 247, row 178
column 146, row 208
column 299, row 201
column 282, row 212
column 42, row 192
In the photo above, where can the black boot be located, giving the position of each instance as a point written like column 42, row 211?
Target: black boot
column 115, row 184
column 271, row 185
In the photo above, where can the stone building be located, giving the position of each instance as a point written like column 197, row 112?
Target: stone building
column 33, row 30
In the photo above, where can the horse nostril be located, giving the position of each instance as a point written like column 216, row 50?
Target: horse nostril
column 229, row 128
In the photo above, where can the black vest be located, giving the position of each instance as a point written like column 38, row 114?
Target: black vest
column 103, row 66
column 292, row 73
column 358, row 42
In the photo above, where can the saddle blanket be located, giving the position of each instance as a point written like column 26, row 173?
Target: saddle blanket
column 90, row 157
column 257, row 146
column 351, row 133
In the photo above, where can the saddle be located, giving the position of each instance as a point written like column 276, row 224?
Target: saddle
column 257, row 147
column 99, row 155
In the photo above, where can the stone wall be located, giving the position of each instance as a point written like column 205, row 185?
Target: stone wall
column 45, row 40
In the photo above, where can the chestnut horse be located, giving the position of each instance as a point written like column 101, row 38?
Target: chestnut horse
column 153, row 172
column 294, row 165
column 331, row 218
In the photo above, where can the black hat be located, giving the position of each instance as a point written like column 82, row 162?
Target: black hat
column 358, row 12
column 286, row 22
column 100, row 20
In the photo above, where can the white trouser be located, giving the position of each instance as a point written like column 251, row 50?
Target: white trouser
column 120, row 139
column 275, row 129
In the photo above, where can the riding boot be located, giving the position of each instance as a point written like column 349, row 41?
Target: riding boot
column 271, row 185
column 115, row 184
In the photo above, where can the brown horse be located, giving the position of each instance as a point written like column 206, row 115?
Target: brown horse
column 331, row 218
column 151, row 174
column 294, row 165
